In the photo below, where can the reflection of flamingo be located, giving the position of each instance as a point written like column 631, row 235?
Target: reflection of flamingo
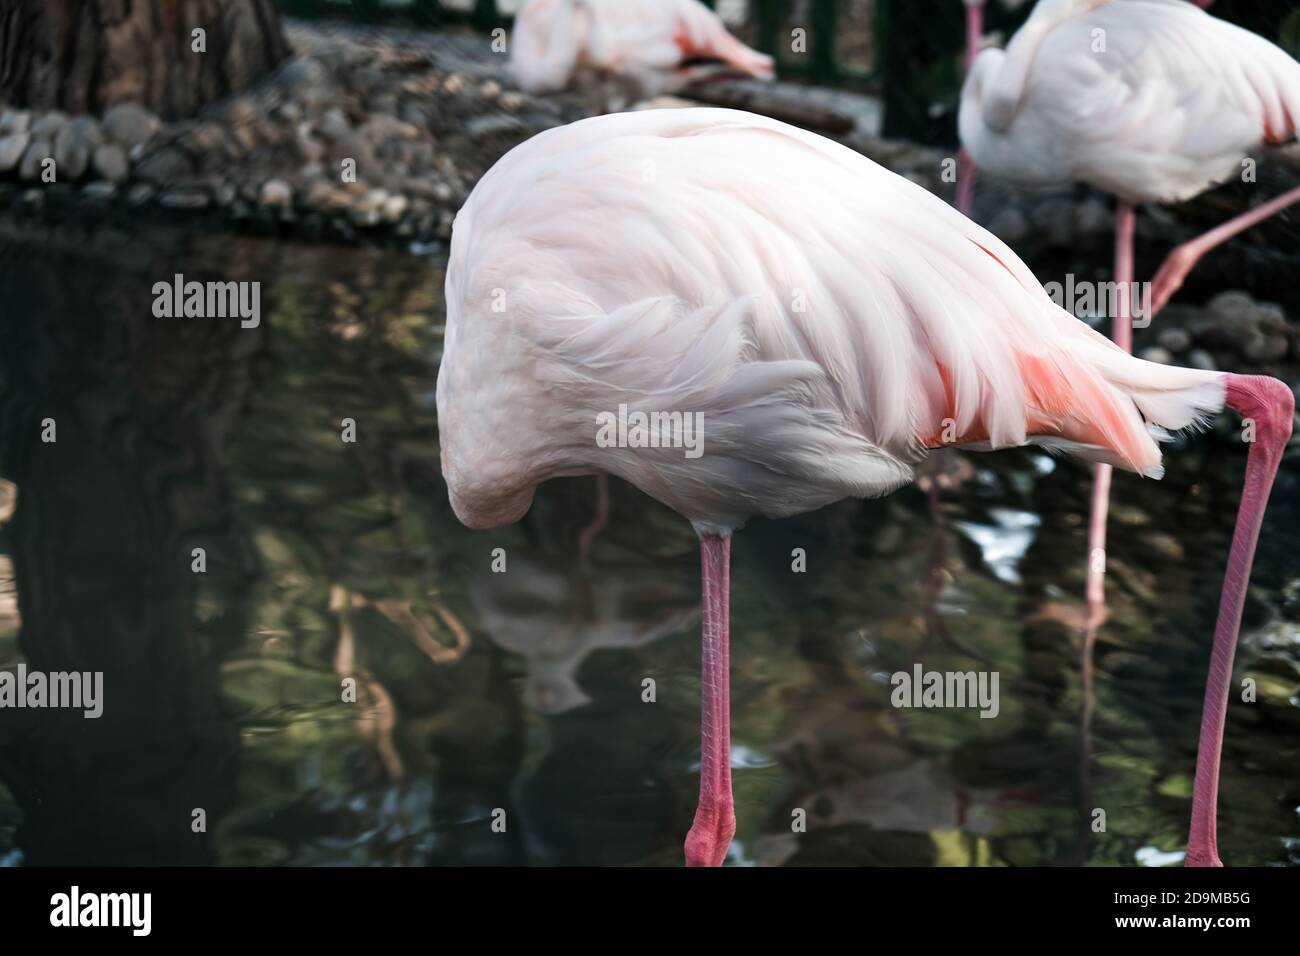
column 556, row 618
column 638, row 43
column 376, row 712
column 822, row 320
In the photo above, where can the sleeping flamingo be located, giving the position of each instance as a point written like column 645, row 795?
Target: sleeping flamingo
column 638, row 44
column 1151, row 100
column 828, row 322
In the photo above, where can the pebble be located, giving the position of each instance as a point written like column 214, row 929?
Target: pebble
column 1262, row 347
column 12, row 148
column 1177, row 341
column 186, row 197
column 163, row 166
column 15, row 121
column 1157, row 354
column 334, row 124
column 140, row 194
column 99, row 189
column 130, row 124
column 47, row 127
column 75, row 145
column 110, row 162
column 1199, row 358
column 276, row 194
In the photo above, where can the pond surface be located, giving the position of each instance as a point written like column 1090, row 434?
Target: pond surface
column 518, row 697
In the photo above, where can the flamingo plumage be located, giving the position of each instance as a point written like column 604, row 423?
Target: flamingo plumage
column 830, row 322
column 562, row 43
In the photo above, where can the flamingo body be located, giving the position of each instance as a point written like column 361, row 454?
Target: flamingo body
column 562, row 43
column 829, row 320
column 1151, row 100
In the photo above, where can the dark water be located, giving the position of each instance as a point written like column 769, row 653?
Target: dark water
column 522, row 692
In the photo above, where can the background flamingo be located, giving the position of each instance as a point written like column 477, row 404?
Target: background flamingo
column 829, row 319
column 636, row 44
column 1169, row 107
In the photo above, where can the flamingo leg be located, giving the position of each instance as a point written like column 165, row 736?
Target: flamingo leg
column 1122, row 333
column 1169, row 279
column 966, row 170
column 715, row 816
column 1270, row 405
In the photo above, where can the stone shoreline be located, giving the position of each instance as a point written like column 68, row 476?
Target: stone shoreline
column 352, row 136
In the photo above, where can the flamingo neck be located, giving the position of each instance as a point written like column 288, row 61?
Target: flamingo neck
column 1269, row 405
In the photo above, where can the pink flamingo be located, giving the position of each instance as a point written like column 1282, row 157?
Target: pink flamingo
column 1151, row 100
column 637, row 43
column 822, row 320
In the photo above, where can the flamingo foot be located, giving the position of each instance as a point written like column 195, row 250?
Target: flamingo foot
column 711, row 833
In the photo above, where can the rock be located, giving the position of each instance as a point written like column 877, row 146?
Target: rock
column 366, row 210
column 1176, row 341
column 130, row 124
column 1092, row 217
column 99, row 190
column 319, row 194
column 380, row 128
column 302, row 72
column 75, row 145
column 1156, row 354
column 312, row 151
column 276, row 194
column 334, row 125
column 1231, row 304
column 1259, row 347
column 394, row 208
column 238, row 112
column 185, row 197
column 163, row 166
column 47, row 126
column 490, row 90
column 31, row 165
column 205, row 142
column 1199, row 358
column 483, row 126
column 1009, row 225
column 1272, row 318
column 15, row 121
column 140, row 193
column 12, row 148
column 110, row 163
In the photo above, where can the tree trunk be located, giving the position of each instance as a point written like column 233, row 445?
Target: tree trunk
column 83, row 56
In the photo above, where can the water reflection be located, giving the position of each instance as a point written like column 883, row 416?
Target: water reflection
column 523, row 693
